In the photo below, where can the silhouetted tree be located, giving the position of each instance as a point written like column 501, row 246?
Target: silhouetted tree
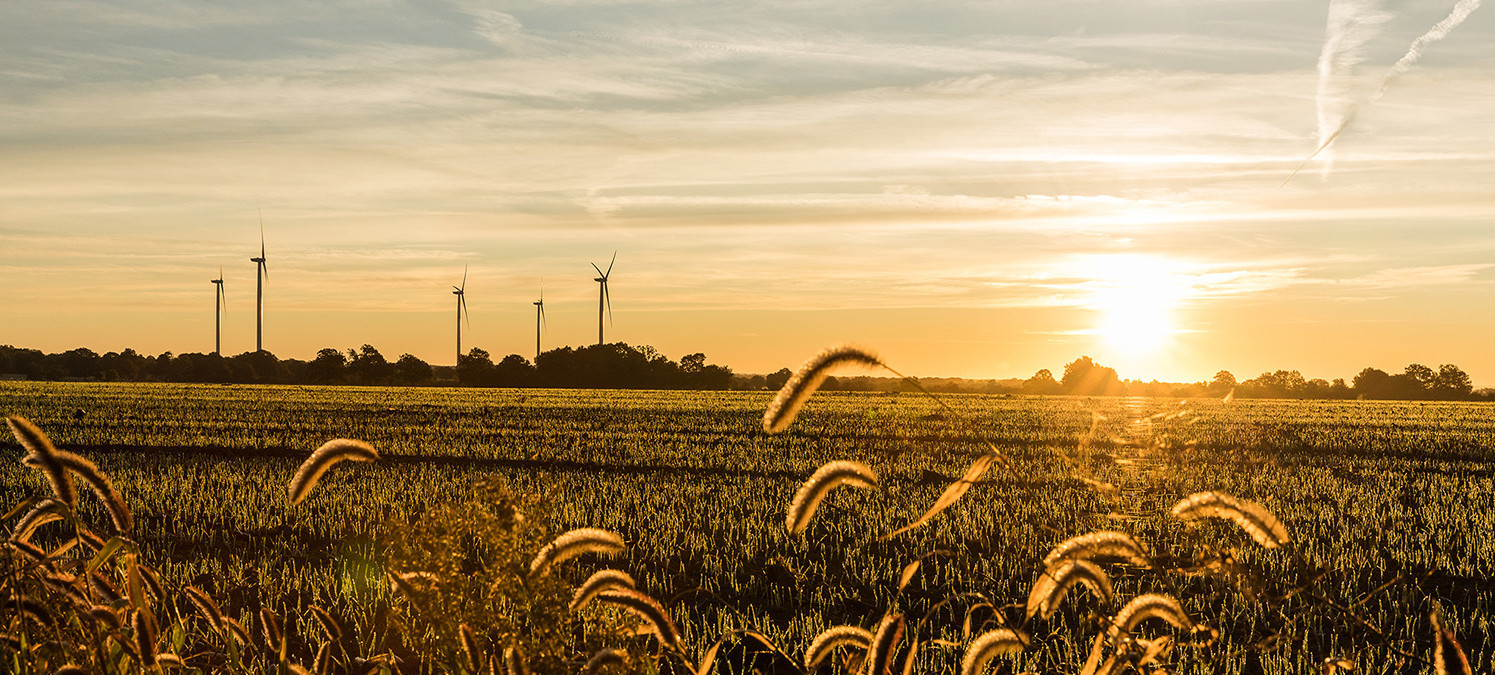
column 81, row 362
column 1276, row 384
column 1422, row 375
column 1372, row 383
column 514, row 371
column 1452, row 382
column 411, row 370
column 1088, row 378
column 1042, row 382
column 475, row 369
column 328, row 367
column 1222, row 384
column 369, row 366
column 776, row 379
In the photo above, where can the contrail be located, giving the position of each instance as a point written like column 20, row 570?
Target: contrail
column 1352, row 24
column 1461, row 11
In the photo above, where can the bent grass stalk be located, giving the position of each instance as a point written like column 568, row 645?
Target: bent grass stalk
column 1102, row 544
column 1056, row 581
column 989, row 646
column 826, row 478
column 602, row 580
column 37, row 443
column 321, row 460
column 572, row 544
column 649, row 610
column 1255, row 519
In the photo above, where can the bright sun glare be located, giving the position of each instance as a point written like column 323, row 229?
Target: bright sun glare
column 1135, row 298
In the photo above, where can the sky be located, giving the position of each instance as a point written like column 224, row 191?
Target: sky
column 977, row 189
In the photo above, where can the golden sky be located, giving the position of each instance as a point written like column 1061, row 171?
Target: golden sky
column 970, row 189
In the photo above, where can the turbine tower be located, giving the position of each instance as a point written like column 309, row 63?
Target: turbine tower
column 602, row 297
column 539, row 319
column 261, row 274
column 461, row 293
column 220, row 303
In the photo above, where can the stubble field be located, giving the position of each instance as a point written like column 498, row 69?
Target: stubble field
column 1391, row 505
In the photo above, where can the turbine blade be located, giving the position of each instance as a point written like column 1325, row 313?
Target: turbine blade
column 262, row 233
column 543, row 322
column 599, row 270
column 464, row 277
column 609, row 297
column 462, row 299
column 610, row 265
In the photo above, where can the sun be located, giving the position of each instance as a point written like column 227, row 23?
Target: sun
column 1135, row 323
column 1135, row 299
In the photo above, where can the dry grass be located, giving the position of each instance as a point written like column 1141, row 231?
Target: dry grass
column 321, row 460
column 828, row 640
column 574, row 543
column 792, row 396
column 1056, row 581
column 826, row 478
column 1102, row 544
column 990, row 645
column 1255, row 519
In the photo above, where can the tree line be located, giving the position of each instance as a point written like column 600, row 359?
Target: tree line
column 1085, row 377
column 622, row 366
column 606, row 366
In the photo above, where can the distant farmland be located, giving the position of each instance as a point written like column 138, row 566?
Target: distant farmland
column 1373, row 493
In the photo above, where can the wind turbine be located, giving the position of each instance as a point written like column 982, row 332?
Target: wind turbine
column 461, row 293
column 220, row 304
column 602, row 296
column 539, row 319
column 261, row 274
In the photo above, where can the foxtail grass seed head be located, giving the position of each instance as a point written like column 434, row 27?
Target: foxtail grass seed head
column 170, row 660
column 1149, row 606
column 471, row 649
column 649, row 610
column 145, row 637
column 236, row 630
column 604, row 658
column 270, row 628
column 32, row 609
column 814, row 490
column 514, row 661
column 205, row 606
column 105, row 616
column 30, row 550
column 152, row 581
column 602, row 580
column 1255, row 519
column 1448, row 654
column 826, row 642
column 323, row 458
column 1103, row 544
column 46, row 511
column 104, row 588
column 89, row 472
column 39, row 446
column 330, row 626
column 322, row 663
column 884, row 644
column 572, row 544
column 991, row 645
column 1056, row 581
column 792, row 396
